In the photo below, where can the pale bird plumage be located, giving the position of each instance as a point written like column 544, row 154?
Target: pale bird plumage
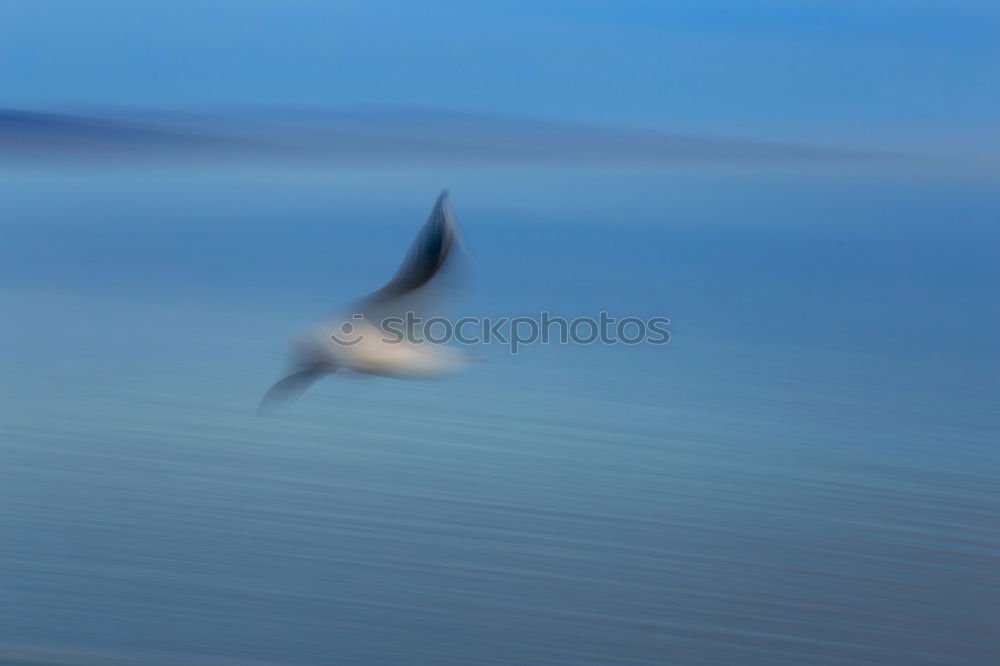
column 358, row 342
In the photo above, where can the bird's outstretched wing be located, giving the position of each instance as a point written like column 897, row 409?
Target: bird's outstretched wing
column 431, row 251
column 291, row 388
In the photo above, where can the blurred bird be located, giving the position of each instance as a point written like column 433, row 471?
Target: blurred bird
column 374, row 338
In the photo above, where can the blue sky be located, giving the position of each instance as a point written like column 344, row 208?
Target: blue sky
column 891, row 73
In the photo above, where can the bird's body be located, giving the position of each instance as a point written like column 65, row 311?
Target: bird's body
column 368, row 348
column 362, row 342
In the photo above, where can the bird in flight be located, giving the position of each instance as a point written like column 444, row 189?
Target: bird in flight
column 362, row 340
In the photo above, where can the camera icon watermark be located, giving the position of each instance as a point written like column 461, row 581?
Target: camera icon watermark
column 514, row 332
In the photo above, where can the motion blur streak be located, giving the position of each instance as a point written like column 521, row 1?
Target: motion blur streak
column 373, row 137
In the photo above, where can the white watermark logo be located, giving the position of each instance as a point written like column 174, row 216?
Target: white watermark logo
column 514, row 332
